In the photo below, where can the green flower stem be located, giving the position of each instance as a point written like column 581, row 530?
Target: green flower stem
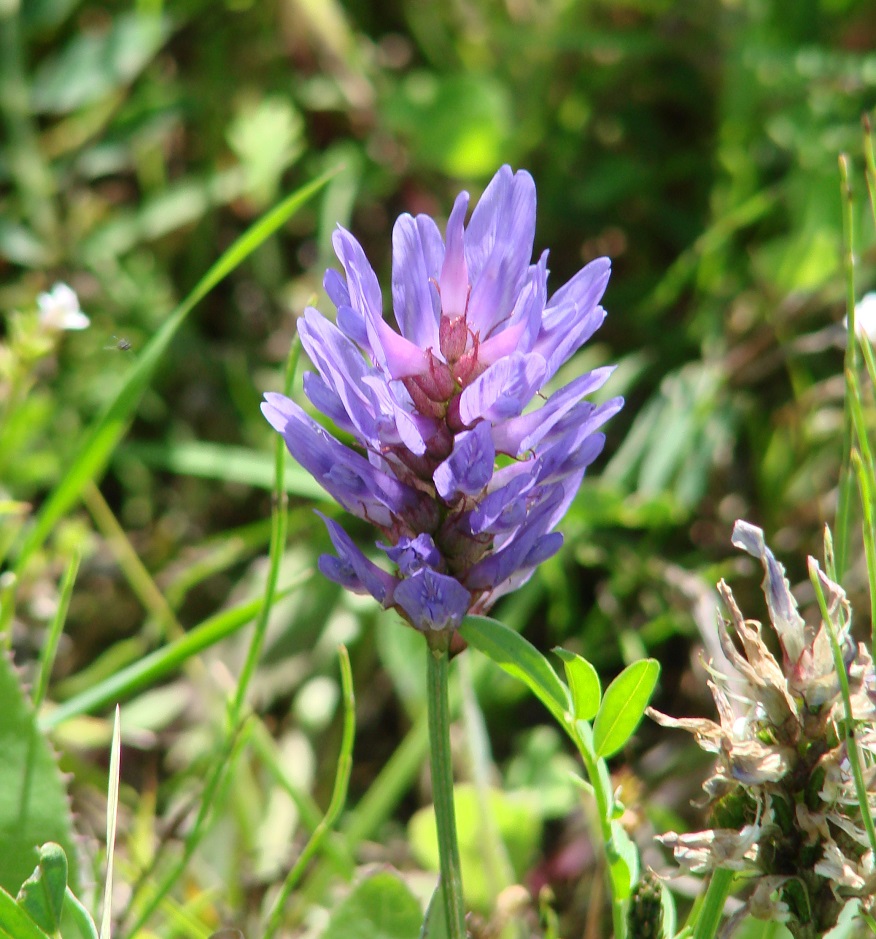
column 604, row 807
column 712, row 910
column 442, row 782
column 851, row 743
column 846, row 477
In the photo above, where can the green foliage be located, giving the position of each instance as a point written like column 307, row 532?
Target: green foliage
column 617, row 716
column 696, row 144
column 584, row 684
column 381, row 907
column 623, row 706
column 42, row 894
column 14, row 921
column 518, row 657
column 34, row 806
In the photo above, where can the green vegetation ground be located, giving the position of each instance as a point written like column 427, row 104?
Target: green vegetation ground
column 695, row 143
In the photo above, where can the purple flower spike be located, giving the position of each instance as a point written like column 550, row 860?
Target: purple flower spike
column 433, row 405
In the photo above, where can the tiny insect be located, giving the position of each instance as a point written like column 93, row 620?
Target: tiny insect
column 121, row 344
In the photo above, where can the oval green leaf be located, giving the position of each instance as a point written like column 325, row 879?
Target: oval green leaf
column 42, row 894
column 583, row 682
column 623, row 862
column 381, row 907
column 15, row 922
column 518, row 657
column 623, row 706
column 33, row 797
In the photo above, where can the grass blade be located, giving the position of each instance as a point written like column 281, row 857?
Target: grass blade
column 112, row 812
column 162, row 662
column 50, row 647
column 99, row 443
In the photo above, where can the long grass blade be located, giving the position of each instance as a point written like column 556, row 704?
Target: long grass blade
column 846, row 478
column 50, row 647
column 104, row 435
column 112, row 814
column 162, row 662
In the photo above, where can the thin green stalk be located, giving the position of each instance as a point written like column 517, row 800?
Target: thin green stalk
column 336, row 803
column 112, row 816
column 712, row 910
column 860, row 425
column 222, row 766
column 870, row 164
column 846, row 479
column 604, row 805
column 280, row 519
column 867, row 490
column 138, row 577
column 47, row 656
column 839, row 666
column 438, row 660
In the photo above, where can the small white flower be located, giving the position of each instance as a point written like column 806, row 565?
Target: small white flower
column 59, row 309
column 865, row 316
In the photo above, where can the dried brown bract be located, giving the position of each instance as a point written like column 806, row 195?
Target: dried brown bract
column 783, row 801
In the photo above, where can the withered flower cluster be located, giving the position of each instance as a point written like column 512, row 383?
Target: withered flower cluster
column 783, row 800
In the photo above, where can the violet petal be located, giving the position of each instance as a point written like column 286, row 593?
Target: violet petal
column 470, row 467
column 432, row 600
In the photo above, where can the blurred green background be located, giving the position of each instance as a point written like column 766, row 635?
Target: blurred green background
column 695, row 143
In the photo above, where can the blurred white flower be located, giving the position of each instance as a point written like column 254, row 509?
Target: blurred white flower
column 865, row 317
column 59, row 309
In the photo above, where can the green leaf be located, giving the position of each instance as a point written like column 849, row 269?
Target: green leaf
column 623, row 706
column 14, row 922
column 229, row 464
column 381, row 907
column 42, row 894
column 75, row 913
column 435, row 920
column 151, row 668
column 583, row 683
column 33, row 799
column 518, row 657
column 623, row 862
